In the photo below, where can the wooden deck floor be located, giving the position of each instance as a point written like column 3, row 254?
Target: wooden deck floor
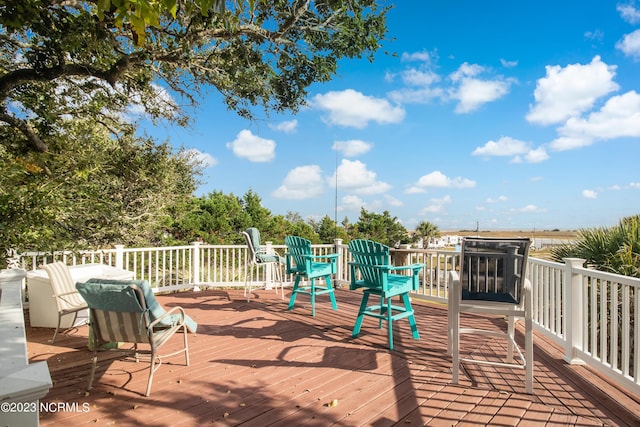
column 258, row 364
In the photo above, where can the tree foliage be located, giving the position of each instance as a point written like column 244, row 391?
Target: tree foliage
column 614, row 249
column 74, row 75
column 425, row 231
column 382, row 228
column 90, row 190
column 92, row 59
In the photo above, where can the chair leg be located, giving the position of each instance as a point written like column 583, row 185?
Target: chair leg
column 186, row 345
column 511, row 333
column 363, row 307
column 528, row 351
column 246, row 283
column 93, row 368
column 57, row 327
column 312, row 296
column 278, row 274
column 411, row 317
column 294, row 292
column 455, row 348
column 151, row 372
column 389, row 315
column 334, row 304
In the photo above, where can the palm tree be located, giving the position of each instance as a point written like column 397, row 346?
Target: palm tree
column 426, row 231
column 613, row 249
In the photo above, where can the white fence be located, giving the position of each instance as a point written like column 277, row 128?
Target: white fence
column 593, row 315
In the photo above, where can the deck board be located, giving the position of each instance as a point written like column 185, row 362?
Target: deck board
column 258, row 364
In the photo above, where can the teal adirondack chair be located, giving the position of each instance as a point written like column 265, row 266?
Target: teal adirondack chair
column 301, row 262
column 372, row 271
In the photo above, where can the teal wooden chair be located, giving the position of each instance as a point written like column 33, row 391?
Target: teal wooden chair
column 372, row 271
column 301, row 262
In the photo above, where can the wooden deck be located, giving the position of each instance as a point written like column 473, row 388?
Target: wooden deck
column 258, row 364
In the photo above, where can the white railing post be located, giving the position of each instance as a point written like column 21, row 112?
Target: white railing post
column 268, row 247
column 195, row 265
column 574, row 303
column 119, row 256
column 339, row 277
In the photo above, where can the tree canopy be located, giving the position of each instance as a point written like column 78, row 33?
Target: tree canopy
column 94, row 59
column 76, row 75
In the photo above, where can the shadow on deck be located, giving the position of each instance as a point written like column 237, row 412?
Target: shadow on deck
column 258, row 364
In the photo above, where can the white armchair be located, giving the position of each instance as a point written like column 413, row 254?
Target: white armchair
column 492, row 282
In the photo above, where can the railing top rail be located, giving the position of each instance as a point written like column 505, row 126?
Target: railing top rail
column 611, row 277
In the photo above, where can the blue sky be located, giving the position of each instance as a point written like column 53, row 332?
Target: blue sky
column 506, row 114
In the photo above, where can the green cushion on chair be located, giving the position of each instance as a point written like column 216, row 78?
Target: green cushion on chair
column 155, row 309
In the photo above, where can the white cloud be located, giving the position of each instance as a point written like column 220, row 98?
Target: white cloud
column 618, row 117
column 286, row 126
column 205, row 159
column 353, row 109
column 570, row 91
column 393, row 201
column 596, row 35
column 471, row 92
column 466, row 70
column 510, row 147
column 630, row 44
column 423, row 56
column 419, row 80
column 536, row 156
column 505, row 146
column 508, row 64
column 437, row 179
column 416, row 77
column 589, row 194
column 352, row 147
column 634, row 185
column 415, row 96
column 529, row 209
column 302, row 182
column 353, row 176
column 499, row 199
column 252, row 147
column 436, row 205
column 629, row 13
column 351, row 203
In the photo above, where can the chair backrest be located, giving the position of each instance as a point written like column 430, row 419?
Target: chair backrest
column 250, row 243
column 118, row 311
column 63, row 286
column 254, row 236
column 367, row 253
column 493, row 269
column 297, row 248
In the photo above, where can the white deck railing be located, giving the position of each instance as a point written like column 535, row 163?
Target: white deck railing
column 593, row 315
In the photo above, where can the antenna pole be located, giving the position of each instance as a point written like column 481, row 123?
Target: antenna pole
column 335, row 212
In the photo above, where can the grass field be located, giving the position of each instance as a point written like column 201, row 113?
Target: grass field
column 541, row 234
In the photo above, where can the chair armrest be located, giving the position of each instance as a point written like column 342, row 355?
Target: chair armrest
column 330, row 256
column 64, row 293
column 354, row 265
column 174, row 310
column 415, row 267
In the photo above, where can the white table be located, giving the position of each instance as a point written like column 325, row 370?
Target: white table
column 43, row 311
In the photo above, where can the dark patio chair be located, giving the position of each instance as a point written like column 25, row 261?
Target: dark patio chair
column 492, row 282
